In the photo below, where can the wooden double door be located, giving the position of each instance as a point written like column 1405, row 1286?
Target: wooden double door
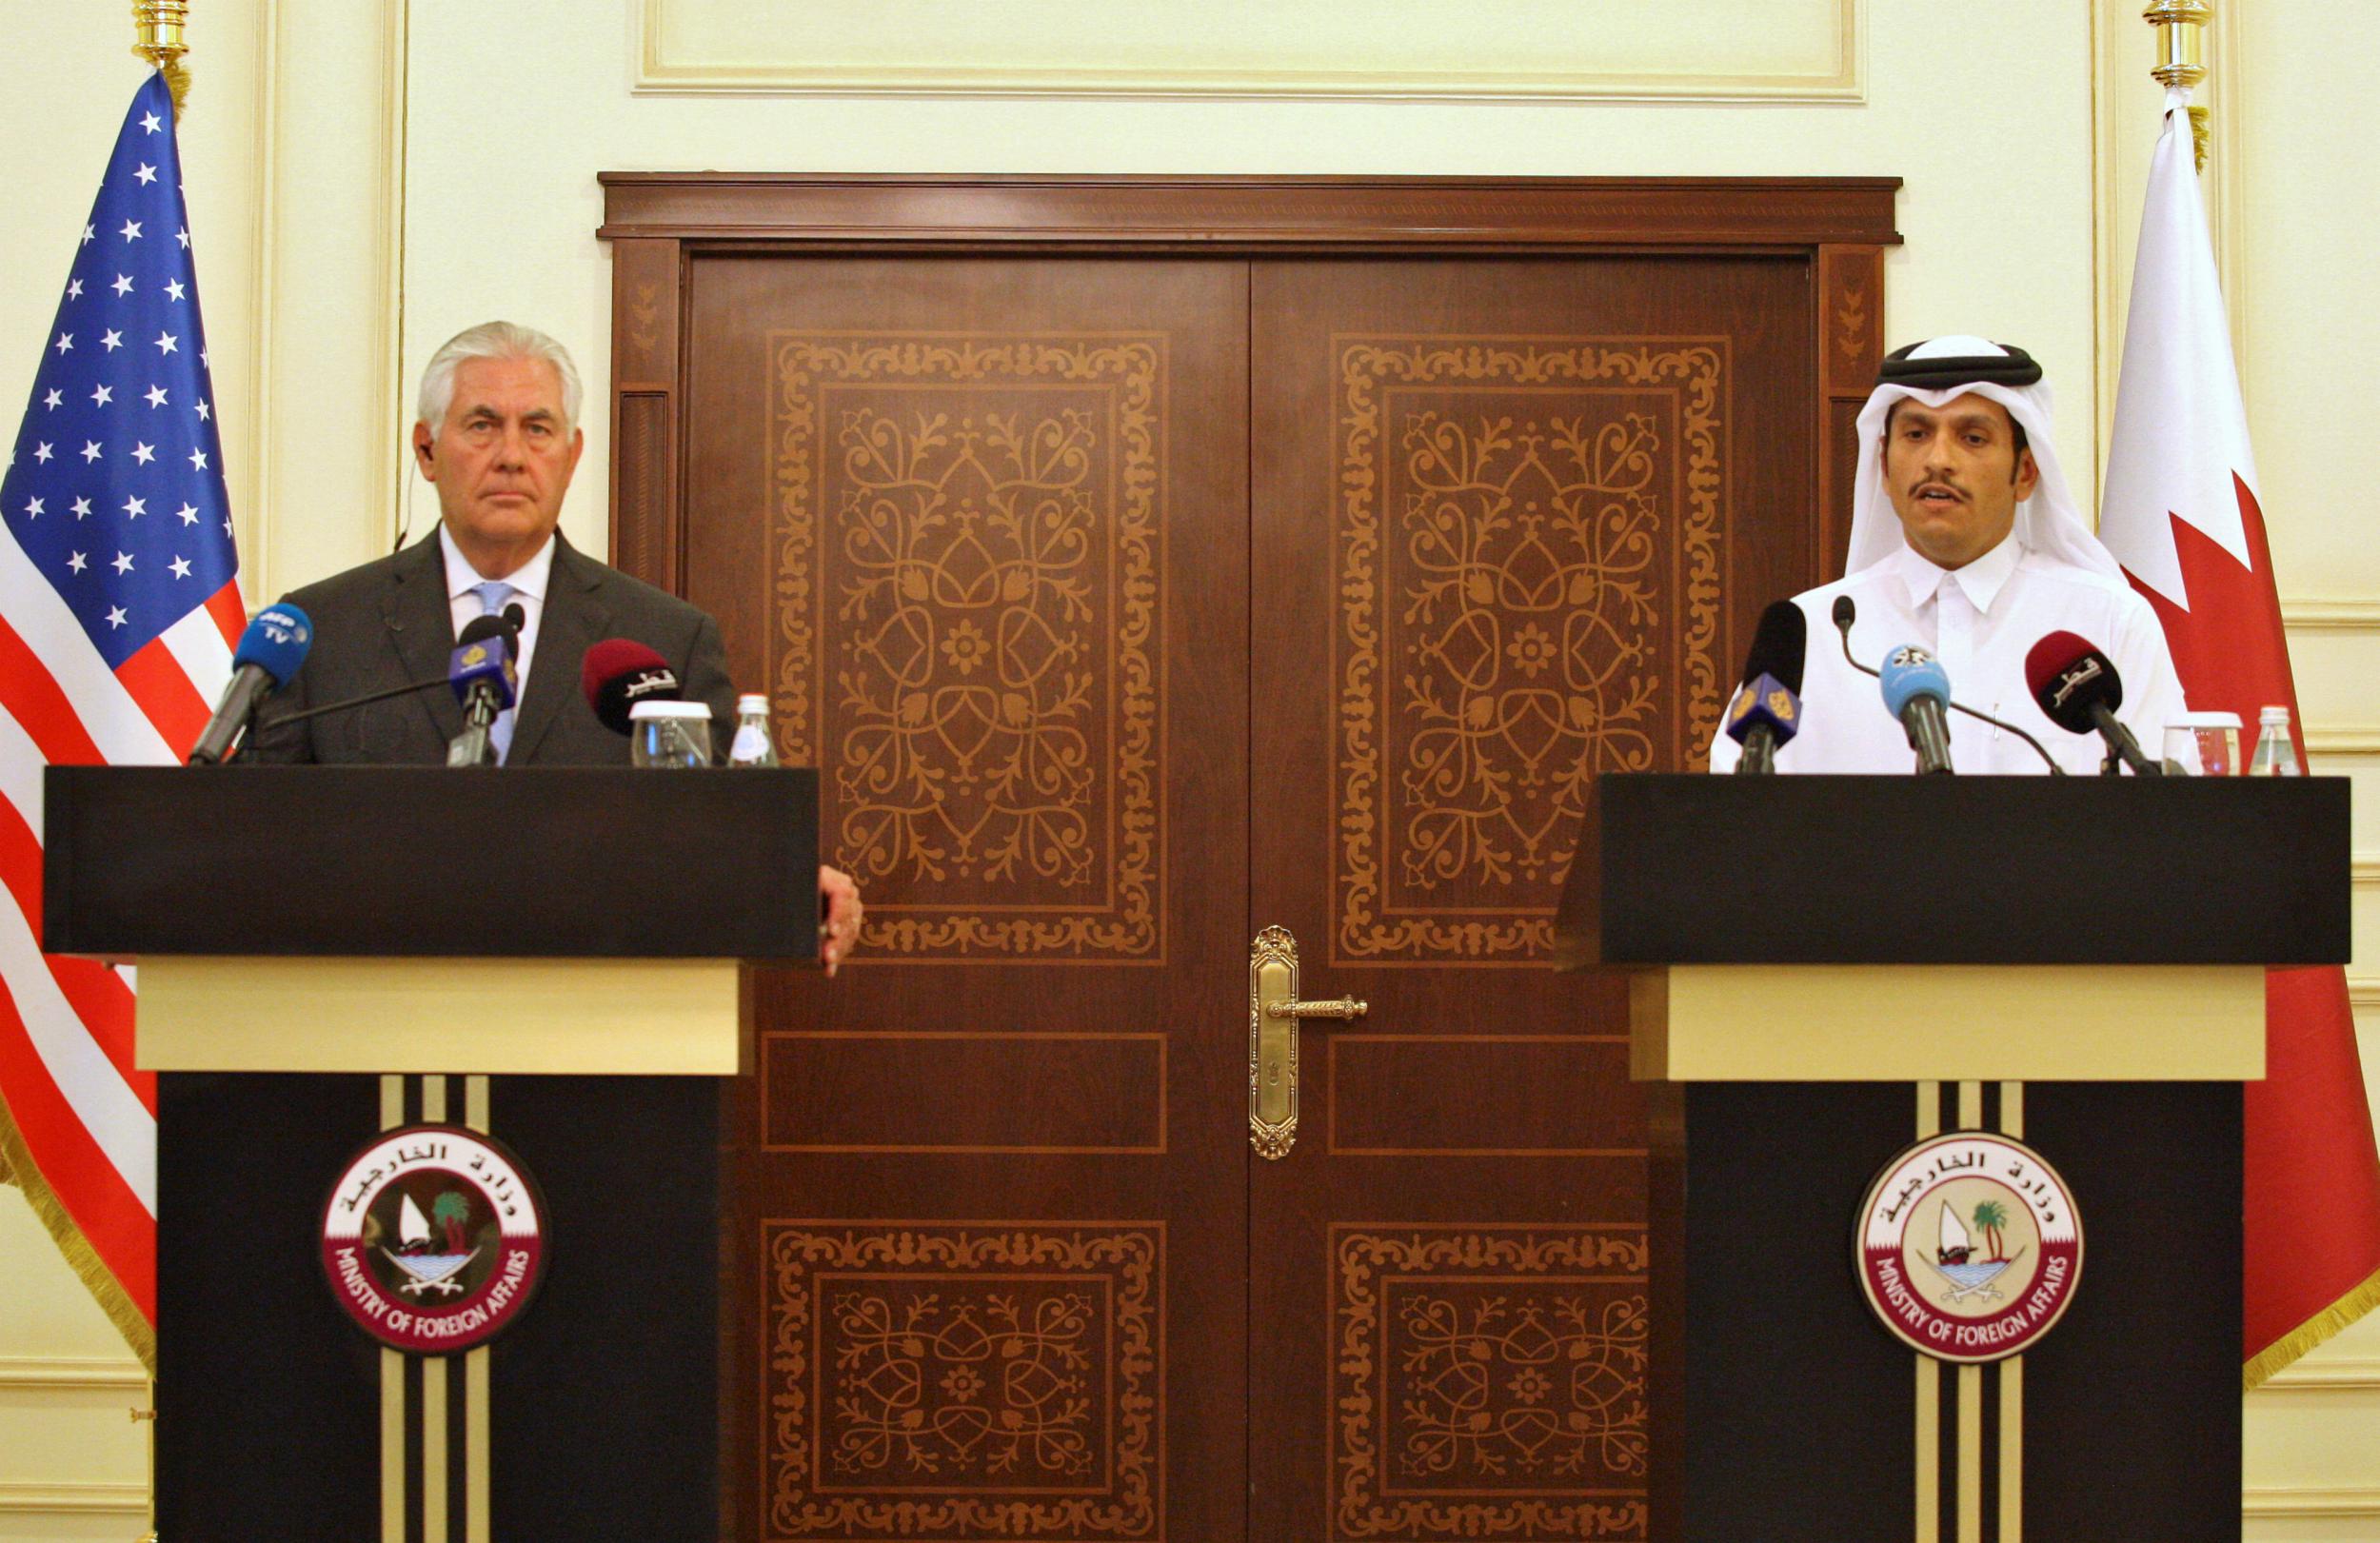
column 1130, row 604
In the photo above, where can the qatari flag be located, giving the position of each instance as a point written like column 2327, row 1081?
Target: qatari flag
column 2180, row 512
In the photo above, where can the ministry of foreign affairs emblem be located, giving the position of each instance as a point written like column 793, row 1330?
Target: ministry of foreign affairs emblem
column 1968, row 1247
column 434, row 1238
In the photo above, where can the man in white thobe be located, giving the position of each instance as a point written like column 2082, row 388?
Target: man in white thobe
column 1965, row 542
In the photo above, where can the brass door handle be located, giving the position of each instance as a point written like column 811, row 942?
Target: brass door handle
column 1274, row 1012
column 1345, row 1009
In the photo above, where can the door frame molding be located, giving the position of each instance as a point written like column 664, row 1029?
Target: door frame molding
column 656, row 221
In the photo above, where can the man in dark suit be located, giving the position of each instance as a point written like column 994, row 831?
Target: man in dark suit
column 498, row 437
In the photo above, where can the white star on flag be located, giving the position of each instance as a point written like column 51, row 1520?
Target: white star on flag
column 131, row 230
column 134, row 508
column 41, row 452
column 123, row 563
column 149, row 122
column 144, row 454
column 32, row 507
column 123, row 284
column 181, row 567
column 66, row 341
column 165, row 343
column 54, row 398
column 88, row 233
column 115, row 615
column 202, row 413
column 156, row 395
column 90, row 449
column 147, row 174
column 111, row 342
column 189, row 514
column 82, row 508
column 102, row 395
column 74, row 288
column 173, row 288
column 198, row 460
column 76, row 562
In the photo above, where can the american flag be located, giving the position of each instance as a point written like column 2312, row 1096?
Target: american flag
column 119, row 608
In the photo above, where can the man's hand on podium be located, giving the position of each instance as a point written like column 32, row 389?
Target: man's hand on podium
column 839, row 901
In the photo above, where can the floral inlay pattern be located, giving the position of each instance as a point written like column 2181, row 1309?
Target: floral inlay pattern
column 1530, row 538
column 979, row 518
column 965, row 1382
column 1475, row 1362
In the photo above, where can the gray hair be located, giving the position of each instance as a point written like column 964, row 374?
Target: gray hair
column 494, row 340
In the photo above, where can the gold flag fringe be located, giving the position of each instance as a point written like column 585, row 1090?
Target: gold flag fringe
column 2357, row 1302
column 113, row 1300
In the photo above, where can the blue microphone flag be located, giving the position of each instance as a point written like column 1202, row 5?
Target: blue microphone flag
column 275, row 642
column 1763, row 700
column 483, row 658
column 1909, row 672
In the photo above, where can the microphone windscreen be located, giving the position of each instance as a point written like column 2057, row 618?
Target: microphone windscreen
column 1845, row 613
column 481, row 628
column 620, row 672
column 275, row 642
column 1780, row 647
column 515, row 618
column 2068, row 677
column 1910, row 672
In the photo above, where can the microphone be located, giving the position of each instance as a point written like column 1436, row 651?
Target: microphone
column 270, row 651
column 1845, row 613
column 1917, row 691
column 1767, row 710
column 480, row 670
column 2079, row 689
column 620, row 672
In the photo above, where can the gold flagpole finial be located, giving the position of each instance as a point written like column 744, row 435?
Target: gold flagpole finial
column 2182, row 56
column 159, row 25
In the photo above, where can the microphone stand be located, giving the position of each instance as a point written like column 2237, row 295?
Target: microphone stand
column 1845, row 612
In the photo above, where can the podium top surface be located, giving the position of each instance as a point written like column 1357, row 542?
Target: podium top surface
column 1682, row 869
column 427, row 860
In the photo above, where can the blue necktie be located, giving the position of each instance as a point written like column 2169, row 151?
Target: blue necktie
column 492, row 595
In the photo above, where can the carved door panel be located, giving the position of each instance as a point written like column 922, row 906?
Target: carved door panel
column 980, row 531
column 1513, row 520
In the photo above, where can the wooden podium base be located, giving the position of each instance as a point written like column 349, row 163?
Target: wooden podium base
column 594, row 1416
column 1787, row 1412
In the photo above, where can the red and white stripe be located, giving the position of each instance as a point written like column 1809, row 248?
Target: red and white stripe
column 87, row 1116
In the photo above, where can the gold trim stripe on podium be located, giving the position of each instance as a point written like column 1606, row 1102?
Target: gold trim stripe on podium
column 1970, row 1381
column 1929, row 1372
column 435, row 1380
column 477, row 1512
column 392, row 1373
column 2012, row 1371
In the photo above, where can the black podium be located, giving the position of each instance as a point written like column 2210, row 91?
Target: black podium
column 547, row 965
column 1827, row 970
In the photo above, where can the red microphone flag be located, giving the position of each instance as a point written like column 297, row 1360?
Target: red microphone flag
column 2180, row 513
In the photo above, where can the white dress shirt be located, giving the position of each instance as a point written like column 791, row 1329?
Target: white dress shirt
column 1980, row 621
column 529, row 592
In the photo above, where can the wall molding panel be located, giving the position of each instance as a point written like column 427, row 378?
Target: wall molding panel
column 2317, row 1374
column 2304, row 1503
column 48, row 1372
column 18, row 1499
column 1683, row 51
column 2331, row 615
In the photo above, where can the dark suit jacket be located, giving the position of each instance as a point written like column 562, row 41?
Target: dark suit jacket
column 388, row 622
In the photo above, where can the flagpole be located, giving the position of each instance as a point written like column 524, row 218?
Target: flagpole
column 2181, row 32
column 160, row 33
column 158, row 24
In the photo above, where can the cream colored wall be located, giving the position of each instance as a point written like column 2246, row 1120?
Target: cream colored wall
column 367, row 176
